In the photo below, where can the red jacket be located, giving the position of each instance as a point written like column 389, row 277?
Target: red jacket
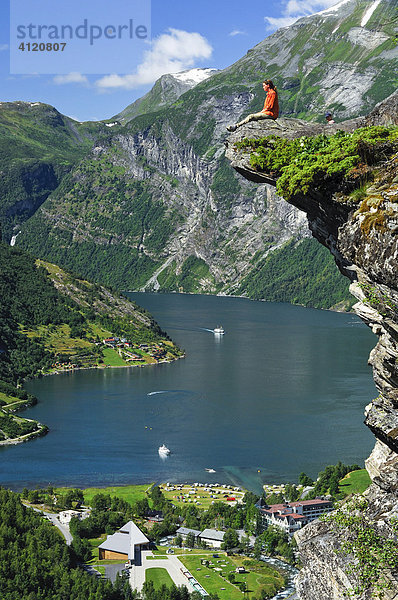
column 271, row 106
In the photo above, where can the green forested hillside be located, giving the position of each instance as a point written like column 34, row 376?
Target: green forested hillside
column 35, row 562
column 38, row 146
column 104, row 217
column 300, row 273
column 51, row 321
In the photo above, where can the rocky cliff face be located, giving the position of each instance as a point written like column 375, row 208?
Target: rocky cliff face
column 364, row 241
column 155, row 205
column 169, row 204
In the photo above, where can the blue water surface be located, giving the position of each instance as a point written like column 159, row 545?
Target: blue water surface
column 283, row 391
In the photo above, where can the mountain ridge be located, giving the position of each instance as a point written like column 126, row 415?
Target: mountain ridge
column 177, row 204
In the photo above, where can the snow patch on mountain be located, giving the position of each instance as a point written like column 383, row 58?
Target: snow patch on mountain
column 194, row 75
column 369, row 12
column 332, row 9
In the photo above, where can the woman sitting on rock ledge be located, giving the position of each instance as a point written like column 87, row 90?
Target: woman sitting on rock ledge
column 270, row 110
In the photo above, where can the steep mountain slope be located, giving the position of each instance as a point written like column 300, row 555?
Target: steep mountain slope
column 38, row 146
column 158, row 199
column 166, row 90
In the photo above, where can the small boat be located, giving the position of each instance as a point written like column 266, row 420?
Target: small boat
column 210, row 470
column 163, row 450
column 219, row 330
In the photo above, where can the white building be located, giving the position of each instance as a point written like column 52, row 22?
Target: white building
column 291, row 516
column 185, row 531
column 212, row 537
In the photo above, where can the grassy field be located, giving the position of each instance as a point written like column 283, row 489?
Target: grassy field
column 112, row 358
column 12, row 403
column 201, row 498
column 210, row 579
column 130, row 493
column 158, row 576
column 57, row 338
column 355, row 482
column 199, row 495
column 215, row 577
column 9, row 399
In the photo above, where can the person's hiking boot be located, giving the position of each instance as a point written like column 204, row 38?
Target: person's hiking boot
column 231, row 128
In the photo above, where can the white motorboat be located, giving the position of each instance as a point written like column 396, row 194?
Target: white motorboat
column 210, row 470
column 219, row 330
column 163, row 450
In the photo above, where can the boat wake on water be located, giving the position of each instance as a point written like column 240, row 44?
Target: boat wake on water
column 217, row 330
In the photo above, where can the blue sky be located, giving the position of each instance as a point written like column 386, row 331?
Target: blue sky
column 207, row 33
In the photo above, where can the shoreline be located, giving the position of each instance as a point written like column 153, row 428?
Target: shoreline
column 223, row 295
column 104, row 367
column 44, row 429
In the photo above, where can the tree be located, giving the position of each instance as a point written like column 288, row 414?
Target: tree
column 250, row 498
column 244, row 544
column 178, row 541
column 190, row 541
column 231, row 577
column 40, row 564
column 82, row 549
column 275, row 499
column 33, row 497
column 334, row 485
column 101, row 502
column 305, row 480
column 291, row 492
column 73, row 498
column 231, row 539
column 157, row 497
column 251, row 519
column 141, row 507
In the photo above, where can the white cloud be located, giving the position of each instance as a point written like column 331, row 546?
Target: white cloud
column 171, row 52
column 237, row 32
column 296, row 9
column 70, row 78
column 3, row 47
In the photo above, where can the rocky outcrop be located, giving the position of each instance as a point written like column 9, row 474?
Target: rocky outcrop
column 364, row 241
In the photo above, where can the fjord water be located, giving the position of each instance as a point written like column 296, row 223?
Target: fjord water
column 283, row 391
